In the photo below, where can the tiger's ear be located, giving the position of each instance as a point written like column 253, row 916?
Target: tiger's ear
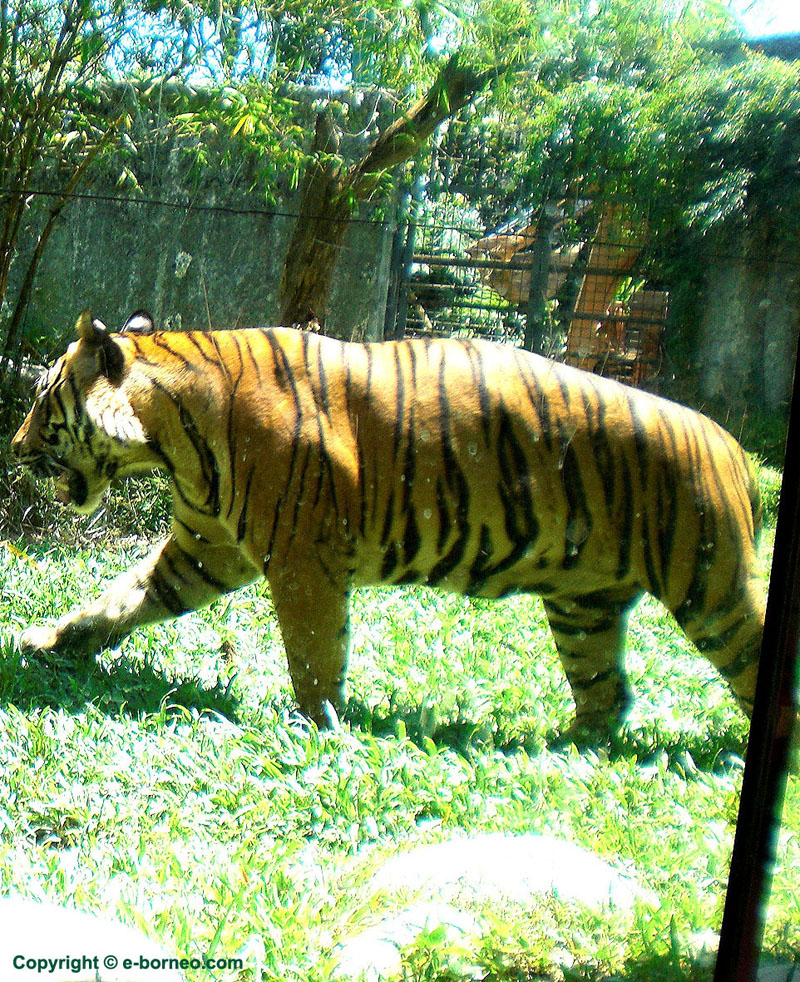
column 140, row 322
column 93, row 333
column 90, row 329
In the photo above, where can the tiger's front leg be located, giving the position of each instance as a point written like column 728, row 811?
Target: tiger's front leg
column 171, row 580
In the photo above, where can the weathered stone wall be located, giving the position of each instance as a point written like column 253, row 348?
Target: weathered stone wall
column 191, row 238
column 744, row 341
column 193, row 267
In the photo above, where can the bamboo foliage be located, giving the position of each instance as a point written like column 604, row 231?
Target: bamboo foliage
column 49, row 52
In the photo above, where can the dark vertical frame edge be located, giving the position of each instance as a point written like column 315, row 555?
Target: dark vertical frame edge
column 769, row 744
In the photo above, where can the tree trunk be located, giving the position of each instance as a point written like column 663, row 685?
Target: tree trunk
column 330, row 192
column 307, row 275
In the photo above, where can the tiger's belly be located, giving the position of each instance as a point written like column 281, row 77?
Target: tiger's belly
column 486, row 562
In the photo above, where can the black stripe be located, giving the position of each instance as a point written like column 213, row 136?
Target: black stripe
column 409, row 578
column 233, row 338
column 241, row 525
column 299, row 497
column 539, row 404
column 449, row 562
column 389, row 563
column 205, row 456
column 323, row 382
column 743, row 660
column 521, row 524
column 579, row 518
column 158, row 341
column 193, row 338
column 324, row 469
column 480, row 571
column 479, row 382
column 514, row 487
column 411, row 539
column 167, row 596
column 192, row 532
column 583, row 684
column 454, row 477
column 222, row 361
column 693, row 603
column 603, row 452
column 55, row 393
column 198, row 569
column 255, row 364
column 721, row 639
column 643, row 455
column 231, row 430
column 668, row 505
column 564, row 381
column 280, row 363
column 78, row 407
column 640, row 441
column 286, row 381
column 388, row 519
column 155, row 447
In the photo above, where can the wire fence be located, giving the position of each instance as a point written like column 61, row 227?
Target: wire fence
column 566, row 281
column 572, row 279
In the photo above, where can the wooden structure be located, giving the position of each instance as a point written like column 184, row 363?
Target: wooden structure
column 607, row 335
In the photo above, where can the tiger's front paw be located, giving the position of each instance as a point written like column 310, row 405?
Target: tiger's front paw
column 48, row 645
column 39, row 638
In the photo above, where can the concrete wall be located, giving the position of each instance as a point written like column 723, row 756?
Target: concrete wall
column 750, row 322
column 197, row 267
column 191, row 237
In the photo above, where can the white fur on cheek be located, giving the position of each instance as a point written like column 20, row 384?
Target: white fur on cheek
column 113, row 415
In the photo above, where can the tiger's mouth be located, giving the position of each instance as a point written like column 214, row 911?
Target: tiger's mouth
column 71, row 486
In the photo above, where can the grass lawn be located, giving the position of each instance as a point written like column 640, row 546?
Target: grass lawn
column 173, row 786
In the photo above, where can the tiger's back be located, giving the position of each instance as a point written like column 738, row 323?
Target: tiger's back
column 463, row 465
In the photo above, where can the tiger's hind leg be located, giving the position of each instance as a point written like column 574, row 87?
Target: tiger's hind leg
column 589, row 632
column 313, row 618
column 729, row 635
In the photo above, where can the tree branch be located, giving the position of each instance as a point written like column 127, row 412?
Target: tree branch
column 453, row 89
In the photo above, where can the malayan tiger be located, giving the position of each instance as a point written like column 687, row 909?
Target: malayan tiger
column 461, row 464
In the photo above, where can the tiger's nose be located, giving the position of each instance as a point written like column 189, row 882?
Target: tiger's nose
column 18, row 440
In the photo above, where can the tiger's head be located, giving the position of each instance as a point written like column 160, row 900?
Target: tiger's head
column 82, row 430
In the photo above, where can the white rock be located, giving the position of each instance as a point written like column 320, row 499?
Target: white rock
column 45, row 941
column 374, row 954
column 514, row 868
column 493, row 868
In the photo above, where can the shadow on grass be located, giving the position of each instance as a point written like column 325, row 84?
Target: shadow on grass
column 712, row 751
column 417, row 724
column 134, row 688
column 708, row 751
column 119, row 688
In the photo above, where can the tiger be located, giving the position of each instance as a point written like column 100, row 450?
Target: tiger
column 467, row 465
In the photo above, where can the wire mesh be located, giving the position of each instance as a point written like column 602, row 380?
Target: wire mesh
column 565, row 280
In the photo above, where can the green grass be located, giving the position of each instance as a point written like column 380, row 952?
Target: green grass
column 172, row 784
